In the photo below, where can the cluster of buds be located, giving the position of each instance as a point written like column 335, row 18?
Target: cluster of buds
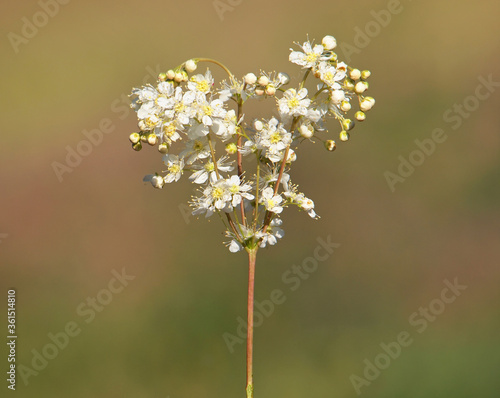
column 185, row 109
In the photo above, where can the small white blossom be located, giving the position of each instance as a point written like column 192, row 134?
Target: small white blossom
column 294, row 103
column 175, row 167
column 310, row 56
column 271, row 201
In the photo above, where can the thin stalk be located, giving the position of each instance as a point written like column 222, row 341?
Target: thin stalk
column 239, row 158
column 252, row 255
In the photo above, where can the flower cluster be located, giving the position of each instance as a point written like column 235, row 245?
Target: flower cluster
column 200, row 131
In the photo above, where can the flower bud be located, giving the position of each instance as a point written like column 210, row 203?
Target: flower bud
column 178, row 77
column 347, row 124
column 306, row 131
column 170, row 74
column 270, row 89
column 345, row 106
column 250, row 78
column 263, row 80
column 283, row 78
column 366, row 104
column 162, row 77
column 355, row 74
column 152, row 139
column 231, row 148
column 134, row 138
column 292, row 156
column 360, row 87
column 344, row 136
column 191, row 66
column 144, row 138
column 360, row 116
column 163, row 147
column 337, row 96
column 330, row 145
column 329, row 42
column 157, row 182
column 349, row 83
column 185, row 76
column 365, row 74
column 259, row 91
column 137, row 146
column 258, row 125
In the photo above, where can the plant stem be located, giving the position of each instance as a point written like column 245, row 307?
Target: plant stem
column 252, row 255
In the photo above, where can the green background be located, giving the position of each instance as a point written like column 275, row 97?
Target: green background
column 162, row 335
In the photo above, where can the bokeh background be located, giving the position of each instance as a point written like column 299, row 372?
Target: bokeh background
column 162, row 336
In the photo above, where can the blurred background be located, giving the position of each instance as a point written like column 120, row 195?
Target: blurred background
column 69, row 224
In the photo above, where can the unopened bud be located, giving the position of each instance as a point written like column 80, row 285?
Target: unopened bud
column 250, row 78
column 185, row 76
column 170, row 74
column 365, row 105
column 355, row 74
column 191, row 65
column 259, row 91
column 134, row 138
column 329, row 42
column 360, row 116
column 163, row 148
column 157, row 182
column 152, row 139
column 306, row 131
column 344, row 136
column 137, row 146
column 178, row 77
column 365, row 74
column 349, row 83
column 337, row 96
column 263, row 80
column 270, row 89
column 258, row 125
column 330, row 145
column 345, row 106
column 162, row 77
column 231, row 148
column 292, row 156
column 347, row 124
column 360, row 87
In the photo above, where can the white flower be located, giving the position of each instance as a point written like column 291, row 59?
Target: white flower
column 208, row 171
column 271, row 201
column 201, row 84
column 169, row 132
column 196, row 149
column 225, row 128
column 310, row 56
column 294, row 103
column 331, row 75
column 272, row 234
column 175, row 167
column 238, row 190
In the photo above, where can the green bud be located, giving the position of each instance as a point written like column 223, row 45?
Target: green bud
column 347, row 124
column 231, row 148
column 330, row 145
column 344, row 136
column 137, row 146
column 162, row 77
column 365, row 74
